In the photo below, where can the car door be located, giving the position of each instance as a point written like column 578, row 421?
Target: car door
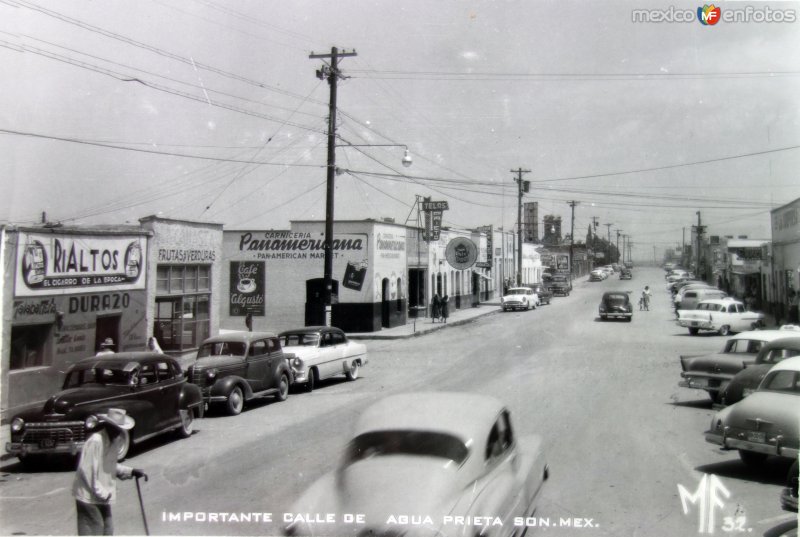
column 274, row 360
column 329, row 364
column 169, row 381
column 258, row 365
column 146, row 408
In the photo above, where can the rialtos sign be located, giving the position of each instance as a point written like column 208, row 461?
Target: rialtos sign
column 50, row 264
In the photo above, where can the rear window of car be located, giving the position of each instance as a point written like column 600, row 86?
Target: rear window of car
column 619, row 298
column 776, row 355
column 404, row 442
column 781, row 381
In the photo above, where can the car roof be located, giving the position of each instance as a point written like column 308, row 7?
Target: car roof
column 310, row 329
column 722, row 301
column 122, row 360
column 792, row 343
column 510, row 289
column 767, row 335
column 244, row 337
column 466, row 416
column 789, row 364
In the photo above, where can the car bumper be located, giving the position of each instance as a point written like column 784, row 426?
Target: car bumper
column 616, row 314
column 701, row 325
column 746, row 445
column 710, row 384
column 788, row 500
column 21, row 449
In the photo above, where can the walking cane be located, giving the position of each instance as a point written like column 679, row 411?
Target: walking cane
column 141, row 504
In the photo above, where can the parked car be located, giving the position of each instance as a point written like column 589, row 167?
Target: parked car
column 236, row 367
column 436, row 456
column 616, row 305
column 544, row 294
column 691, row 296
column 713, row 372
column 519, row 298
column 720, row 315
column 747, row 380
column 316, row 353
column 626, row 274
column 149, row 386
column 767, row 422
column 597, row 275
column 560, row 284
column 789, row 494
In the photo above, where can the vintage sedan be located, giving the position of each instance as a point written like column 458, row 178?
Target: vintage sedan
column 419, row 463
column 616, row 305
column 519, row 298
column 626, row 274
column 316, row 353
column 723, row 315
column 597, row 275
column 746, row 381
column 235, row 367
column 544, row 294
column 767, row 422
column 713, row 372
column 149, row 386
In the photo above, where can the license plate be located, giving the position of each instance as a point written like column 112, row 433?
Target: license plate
column 697, row 383
column 753, row 436
column 695, row 323
column 47, row 443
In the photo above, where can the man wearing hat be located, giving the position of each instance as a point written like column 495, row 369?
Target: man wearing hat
column 106, row 347
column 94, row 486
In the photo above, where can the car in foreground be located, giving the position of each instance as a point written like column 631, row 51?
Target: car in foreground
column 713, row 372
column 544, row 294
column 616, row 305
column 149, row 386
column 235, row 367
column 316, row 353
column 560, row 284
column 747, row 380
column 724, row 315
column 433, row 458
column 519, row 298
column 766, row 423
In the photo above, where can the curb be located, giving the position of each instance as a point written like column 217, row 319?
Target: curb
column 422, row 332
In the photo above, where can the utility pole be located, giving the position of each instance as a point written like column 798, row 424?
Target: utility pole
column 608, row 243
column 700, row 229
column 618, row 257
column 522, row 186
column 332, row 73
column 572, row 236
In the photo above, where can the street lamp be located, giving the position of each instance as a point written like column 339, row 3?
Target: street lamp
column 407, row 160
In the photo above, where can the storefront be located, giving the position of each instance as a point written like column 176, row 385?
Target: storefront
column 274, row 279
column 184, row 280
column 65, row 291
column 784, row 281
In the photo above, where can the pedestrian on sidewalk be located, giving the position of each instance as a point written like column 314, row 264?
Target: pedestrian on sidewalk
column 94, row 487
column 436, row 306
column 445, row 308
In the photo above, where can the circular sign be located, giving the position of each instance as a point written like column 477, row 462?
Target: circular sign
column 461, row 253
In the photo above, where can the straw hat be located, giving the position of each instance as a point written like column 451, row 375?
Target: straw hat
column 117, row 417
column 107, row 343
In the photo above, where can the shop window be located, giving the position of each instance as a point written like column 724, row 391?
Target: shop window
column 182, row 318
column 29, row 346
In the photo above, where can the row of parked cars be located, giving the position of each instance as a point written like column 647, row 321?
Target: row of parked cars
column 163, row 397
column 753, row 383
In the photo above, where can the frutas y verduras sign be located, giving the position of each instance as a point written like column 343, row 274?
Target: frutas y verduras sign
column 50, row 264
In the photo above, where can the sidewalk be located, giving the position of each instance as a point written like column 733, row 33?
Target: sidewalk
column 425, row 325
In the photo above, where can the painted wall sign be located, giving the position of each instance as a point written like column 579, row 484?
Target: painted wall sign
column 461, row 253
column 61, row 264
column 297, row 245
column 179, row 255
column 247, row 293
column 435, row 205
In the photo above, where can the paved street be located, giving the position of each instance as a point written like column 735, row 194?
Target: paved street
column 620, row 435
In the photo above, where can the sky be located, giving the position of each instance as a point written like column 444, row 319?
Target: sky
column 210, row 110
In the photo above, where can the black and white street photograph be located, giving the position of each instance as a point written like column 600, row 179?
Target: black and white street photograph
column 361, row 268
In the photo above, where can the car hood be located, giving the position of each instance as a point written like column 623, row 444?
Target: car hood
column 64, row 403
column 300, row 351
column 777, row 412
column 515, row 296
column 409, row 485
column 716, row 363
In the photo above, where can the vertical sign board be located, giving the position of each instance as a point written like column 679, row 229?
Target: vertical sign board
column 488, row 261
column 433, row 218
column 247, row 293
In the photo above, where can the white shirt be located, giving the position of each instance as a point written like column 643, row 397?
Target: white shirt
column 97, row 469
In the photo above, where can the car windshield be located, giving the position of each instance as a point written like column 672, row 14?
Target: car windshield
column 519, row 291
column 401, row 442
column 617, row 299
column 559, row 278
column 743, row 346
column 222, row 348
column 310, row 339
column 97, row 375
column 782, row 381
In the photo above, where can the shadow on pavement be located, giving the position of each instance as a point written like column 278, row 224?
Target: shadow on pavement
column 772, row 472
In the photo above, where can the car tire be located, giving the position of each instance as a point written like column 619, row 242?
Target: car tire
column 235, row 402
column 694, row 331
column 283, row 388
column 187, row 422
column 312, row 381
column 751, row 458
column 628, row 319
column 125, row 445
column 353, row 373
column 724, row 330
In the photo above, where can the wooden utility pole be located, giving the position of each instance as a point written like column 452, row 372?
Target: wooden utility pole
column 523, row 186
column 572, row 236
column 331, row 72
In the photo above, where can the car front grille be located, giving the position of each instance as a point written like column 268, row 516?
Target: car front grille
column 198, row 376
column 62, row 432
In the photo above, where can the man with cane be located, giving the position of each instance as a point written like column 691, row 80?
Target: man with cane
column 94, row 486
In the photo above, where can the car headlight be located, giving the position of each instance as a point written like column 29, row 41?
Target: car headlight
column 211, row 374
column 90, row 422
column 602, row 308
column 17, row 425
column 297, row 362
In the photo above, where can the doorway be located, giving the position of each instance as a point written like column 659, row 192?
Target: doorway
column 385, row 303
column 107, row 327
